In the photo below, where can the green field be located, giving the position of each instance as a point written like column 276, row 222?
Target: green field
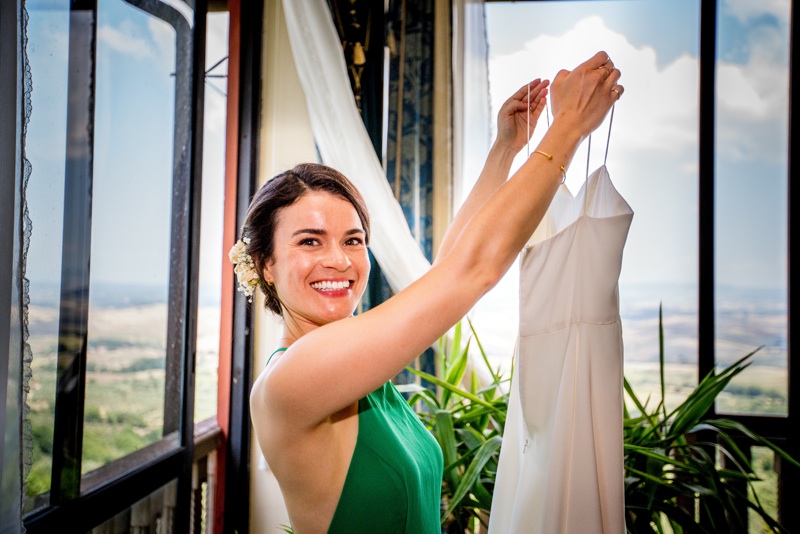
column 124, row 402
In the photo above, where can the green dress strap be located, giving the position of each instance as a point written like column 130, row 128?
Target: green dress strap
column 273, row 354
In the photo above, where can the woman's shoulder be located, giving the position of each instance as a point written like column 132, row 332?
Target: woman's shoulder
column 279, row 423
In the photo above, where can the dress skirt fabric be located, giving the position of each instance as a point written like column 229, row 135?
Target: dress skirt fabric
column 561, row 463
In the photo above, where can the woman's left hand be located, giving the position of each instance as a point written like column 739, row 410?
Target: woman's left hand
column 513, row 126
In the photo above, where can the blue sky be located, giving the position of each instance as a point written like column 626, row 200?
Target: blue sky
column 653, row 154
column 133, row 145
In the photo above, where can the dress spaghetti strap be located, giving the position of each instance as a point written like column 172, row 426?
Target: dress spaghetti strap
column 273, row 354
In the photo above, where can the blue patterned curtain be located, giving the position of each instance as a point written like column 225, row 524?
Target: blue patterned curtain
column 409, row 147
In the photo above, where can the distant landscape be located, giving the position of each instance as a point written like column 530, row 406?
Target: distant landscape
column 124, row 404
column 745, row 321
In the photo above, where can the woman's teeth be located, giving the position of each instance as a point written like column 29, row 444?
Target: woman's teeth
column 328, row 285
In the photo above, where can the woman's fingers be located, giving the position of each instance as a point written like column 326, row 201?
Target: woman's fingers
column 536, row 111
column 614, row 88
column 586, row 93
column 518, row 102
column 519, row 113
column 598, row 60
column 522, row 92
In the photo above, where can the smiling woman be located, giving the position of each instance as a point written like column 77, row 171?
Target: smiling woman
column 340, row 439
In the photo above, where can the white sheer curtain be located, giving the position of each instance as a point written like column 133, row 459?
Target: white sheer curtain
column 471, row 100
column 342, row 138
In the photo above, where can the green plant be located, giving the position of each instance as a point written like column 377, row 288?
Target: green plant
column 672, row 476
column 468, row 423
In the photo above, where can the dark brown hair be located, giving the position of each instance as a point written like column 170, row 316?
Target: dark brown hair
column 284, row 190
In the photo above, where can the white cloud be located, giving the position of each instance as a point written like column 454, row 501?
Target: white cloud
column 753, row 100
column 163, row 37
column 156, row 43
column 659, row 109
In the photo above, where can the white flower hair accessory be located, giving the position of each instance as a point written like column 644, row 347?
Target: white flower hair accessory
column 245, row 268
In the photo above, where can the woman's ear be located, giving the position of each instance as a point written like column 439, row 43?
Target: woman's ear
column 266, row 274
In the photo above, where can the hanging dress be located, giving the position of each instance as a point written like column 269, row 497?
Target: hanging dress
column 561, row 463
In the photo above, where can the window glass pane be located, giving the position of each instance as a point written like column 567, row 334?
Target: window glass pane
column 211, row 257
column 652, row 161
column 766, row 488
column 135, row 117
column 154, row 513
column 45, row 147
column 751, row 202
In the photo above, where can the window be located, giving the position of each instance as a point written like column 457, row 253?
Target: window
column 709, row 186
column 45, row 147
column 652, row 160
column 211, row 257
column 114, row 200
column 127, row 379
column 750, row 201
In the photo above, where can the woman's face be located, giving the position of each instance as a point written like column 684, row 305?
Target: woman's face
column 319, row 264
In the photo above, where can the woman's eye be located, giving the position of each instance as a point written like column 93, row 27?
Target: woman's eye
column 309, row 241
column 354, row 241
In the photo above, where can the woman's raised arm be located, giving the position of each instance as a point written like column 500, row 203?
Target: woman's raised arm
column 334, row 365
column 515, row 123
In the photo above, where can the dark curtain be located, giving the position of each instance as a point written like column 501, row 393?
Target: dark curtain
column 409, row 147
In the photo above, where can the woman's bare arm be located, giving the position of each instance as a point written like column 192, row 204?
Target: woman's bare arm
column 513, row 131
column 336, row 364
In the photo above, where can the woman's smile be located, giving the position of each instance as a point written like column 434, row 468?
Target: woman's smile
column 333, row 287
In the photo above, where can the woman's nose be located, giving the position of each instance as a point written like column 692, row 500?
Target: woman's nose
column 337, row 258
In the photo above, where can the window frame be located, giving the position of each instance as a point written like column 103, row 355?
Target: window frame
column 11, row 307
column 120, row 484
column 232, row 500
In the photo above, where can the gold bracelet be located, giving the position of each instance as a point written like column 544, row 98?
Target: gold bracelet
column 550, row 157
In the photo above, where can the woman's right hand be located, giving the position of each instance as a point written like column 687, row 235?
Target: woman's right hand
column 581, row 98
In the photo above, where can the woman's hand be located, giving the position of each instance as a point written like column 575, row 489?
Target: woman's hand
column 582, row 97
column 513, row 128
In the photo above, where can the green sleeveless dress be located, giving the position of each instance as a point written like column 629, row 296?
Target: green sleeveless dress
column 394, row 483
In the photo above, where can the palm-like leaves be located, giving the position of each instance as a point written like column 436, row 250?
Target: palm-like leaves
column 468, row 422
column 671, row 471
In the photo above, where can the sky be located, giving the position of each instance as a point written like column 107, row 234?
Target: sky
column 133, row 145
column 652, row 156
column 654, row 140
column 653, row 161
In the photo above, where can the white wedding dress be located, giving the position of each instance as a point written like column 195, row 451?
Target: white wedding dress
column 561, row 463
